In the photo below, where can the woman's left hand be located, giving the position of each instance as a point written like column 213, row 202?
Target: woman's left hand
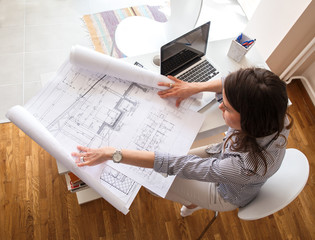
column 179, row 89
column 92, row 156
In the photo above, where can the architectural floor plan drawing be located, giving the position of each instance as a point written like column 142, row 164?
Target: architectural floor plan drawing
column 117, row 180
column 94, row 109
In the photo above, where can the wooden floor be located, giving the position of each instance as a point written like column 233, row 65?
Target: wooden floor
column 35, row 203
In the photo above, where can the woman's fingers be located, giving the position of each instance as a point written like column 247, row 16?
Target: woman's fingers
column 170, row 85
column 178, row 101
column 82, row 148
column 81, row 164
column 90, row 156
column 164, row 84
column 81, row 156
column 75, row 154
column 174, row 78
column 165, row 93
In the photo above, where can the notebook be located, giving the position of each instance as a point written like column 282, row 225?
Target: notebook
column 185, row 58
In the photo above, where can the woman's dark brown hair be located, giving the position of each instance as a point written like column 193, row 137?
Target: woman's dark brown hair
column 261, row 99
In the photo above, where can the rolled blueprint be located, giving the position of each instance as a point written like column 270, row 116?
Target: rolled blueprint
column 35, row 130
column 97, row 62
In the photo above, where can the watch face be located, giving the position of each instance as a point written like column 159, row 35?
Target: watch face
column 117, row 156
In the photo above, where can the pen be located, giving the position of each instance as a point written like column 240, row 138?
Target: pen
column 238, row 39
column 246, row 44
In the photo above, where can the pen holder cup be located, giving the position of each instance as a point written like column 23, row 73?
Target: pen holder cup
column 237, row 51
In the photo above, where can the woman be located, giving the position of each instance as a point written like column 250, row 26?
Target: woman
column 226, row 175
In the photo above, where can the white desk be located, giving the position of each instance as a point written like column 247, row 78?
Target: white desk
column 217, row 53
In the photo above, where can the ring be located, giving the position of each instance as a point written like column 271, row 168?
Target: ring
column 81, row 159
column 171, row 85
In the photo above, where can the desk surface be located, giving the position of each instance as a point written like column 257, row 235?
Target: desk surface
column 214, row 123
column 216, row 53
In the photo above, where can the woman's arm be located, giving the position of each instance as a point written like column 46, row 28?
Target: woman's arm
column 93, row 156
column 182, row 90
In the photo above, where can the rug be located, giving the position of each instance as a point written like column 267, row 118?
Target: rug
column 102, row 26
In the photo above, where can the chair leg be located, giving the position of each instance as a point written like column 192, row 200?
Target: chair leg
column 209, row 224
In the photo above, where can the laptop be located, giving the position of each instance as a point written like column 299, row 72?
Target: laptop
column 185, row 59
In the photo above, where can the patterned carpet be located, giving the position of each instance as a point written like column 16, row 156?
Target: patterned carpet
column 102, row 26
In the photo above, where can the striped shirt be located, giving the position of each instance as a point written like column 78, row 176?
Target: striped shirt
column 233, row 171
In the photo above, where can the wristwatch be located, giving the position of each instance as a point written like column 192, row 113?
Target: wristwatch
column 117, row 156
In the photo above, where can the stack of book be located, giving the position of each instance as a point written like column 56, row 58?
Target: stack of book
column 76, row 183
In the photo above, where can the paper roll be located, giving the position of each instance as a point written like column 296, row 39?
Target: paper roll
column 97, row 62
column 35, row 130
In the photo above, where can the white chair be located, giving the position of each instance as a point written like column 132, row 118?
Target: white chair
column 279, row 190
column 138, row 35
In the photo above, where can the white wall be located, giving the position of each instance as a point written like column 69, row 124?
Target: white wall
column 271, row 22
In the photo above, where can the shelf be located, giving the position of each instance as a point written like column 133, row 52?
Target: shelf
column 61, row 168
column 87, row 195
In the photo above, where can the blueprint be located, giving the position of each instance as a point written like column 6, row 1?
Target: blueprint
column 95, row 109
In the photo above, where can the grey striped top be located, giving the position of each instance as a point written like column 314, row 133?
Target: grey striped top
column 231, row 170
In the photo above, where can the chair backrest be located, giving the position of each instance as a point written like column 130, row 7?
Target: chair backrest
column 280, row 189
column 183, row 18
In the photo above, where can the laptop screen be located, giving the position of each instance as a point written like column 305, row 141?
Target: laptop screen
column 184, row 51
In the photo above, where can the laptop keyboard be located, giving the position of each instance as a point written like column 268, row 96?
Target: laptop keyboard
column 177, row 61
column 202, row 72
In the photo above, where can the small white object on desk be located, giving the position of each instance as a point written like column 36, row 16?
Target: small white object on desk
column 238, row 48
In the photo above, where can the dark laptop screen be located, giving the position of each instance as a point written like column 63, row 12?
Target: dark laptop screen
column 184, row 51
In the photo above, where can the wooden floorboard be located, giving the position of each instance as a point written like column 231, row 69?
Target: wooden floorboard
column 35, row 202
